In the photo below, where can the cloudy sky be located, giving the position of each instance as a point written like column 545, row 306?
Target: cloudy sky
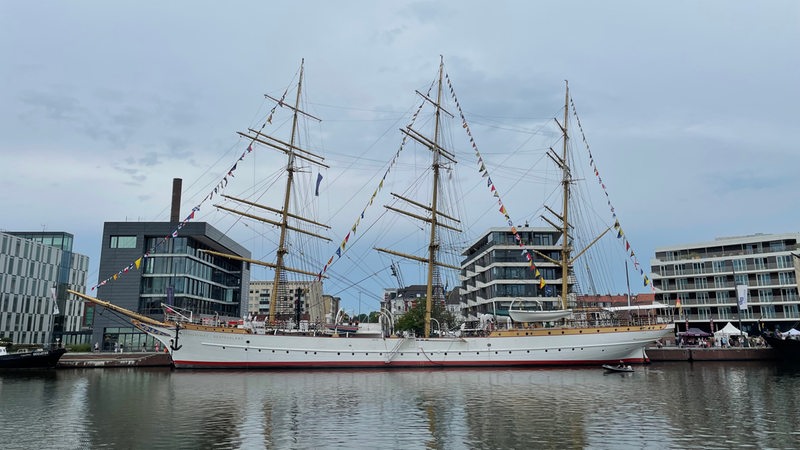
column 690, row 107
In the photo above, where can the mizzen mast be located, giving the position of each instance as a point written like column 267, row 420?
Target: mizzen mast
column 566, row 248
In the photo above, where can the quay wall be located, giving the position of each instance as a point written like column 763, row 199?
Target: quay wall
column 107, row 360
column 710, row 354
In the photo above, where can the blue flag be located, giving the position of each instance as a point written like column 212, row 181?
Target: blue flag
column 319, row 180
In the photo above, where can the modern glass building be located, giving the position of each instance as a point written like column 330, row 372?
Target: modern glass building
column 495, row 271
column 176, row 272
column 701, row 279
column 36, row 269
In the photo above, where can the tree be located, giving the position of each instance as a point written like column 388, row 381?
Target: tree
column 414, row 318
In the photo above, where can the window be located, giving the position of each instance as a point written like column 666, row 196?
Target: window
column 789, row 295
column 123, row 241
column 700, row 283
column 784, row 261
column 740, row 265
column 777, row 246
column 718, row 266
column 786, row 278
column 764, row 279
column 719, row 282
column 761, row 263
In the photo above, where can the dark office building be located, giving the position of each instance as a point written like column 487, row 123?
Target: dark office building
column 175, row 272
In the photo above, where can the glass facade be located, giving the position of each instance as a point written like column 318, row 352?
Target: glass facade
column 177, row 272
column 36, row 269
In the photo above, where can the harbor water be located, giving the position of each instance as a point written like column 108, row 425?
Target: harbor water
column 662, row 405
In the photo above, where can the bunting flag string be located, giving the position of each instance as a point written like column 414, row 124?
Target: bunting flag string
column 340, row 250
column 217, row 188
column 493, row 189
column 620, row 233
column 221, row 185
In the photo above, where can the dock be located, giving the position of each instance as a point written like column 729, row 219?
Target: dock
column 711, row 354
column 109, row 360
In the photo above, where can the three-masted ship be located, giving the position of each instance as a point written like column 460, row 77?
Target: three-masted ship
column 195, row 345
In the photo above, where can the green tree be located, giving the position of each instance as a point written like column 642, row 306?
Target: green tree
column 414, row 318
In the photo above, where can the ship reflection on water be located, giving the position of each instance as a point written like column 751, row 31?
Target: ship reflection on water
column 675, row 405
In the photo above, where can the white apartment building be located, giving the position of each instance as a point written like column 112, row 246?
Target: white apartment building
column 703, row 278
column 495, row 271
column 36, row 269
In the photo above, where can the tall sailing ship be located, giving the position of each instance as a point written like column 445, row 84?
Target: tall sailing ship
column 569, row 338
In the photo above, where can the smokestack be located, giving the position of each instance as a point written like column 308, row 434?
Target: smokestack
column 175, row 214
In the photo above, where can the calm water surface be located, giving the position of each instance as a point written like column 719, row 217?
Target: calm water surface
column 665, row 405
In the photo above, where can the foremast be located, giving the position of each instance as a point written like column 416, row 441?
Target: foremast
column 293, row 152
column 281, row 251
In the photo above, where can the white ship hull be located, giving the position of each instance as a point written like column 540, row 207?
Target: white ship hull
column 205, row 347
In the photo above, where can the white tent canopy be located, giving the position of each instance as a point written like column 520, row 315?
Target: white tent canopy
column 791, row 332
column 728, row 331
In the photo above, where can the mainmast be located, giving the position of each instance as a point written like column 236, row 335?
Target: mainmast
column 433, row 245
column 434, row 214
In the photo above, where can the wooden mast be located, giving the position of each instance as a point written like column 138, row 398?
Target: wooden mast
column 433, row 245
column 566, row 180
column 281, row 252
column 435, row 215
column 292, row 152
